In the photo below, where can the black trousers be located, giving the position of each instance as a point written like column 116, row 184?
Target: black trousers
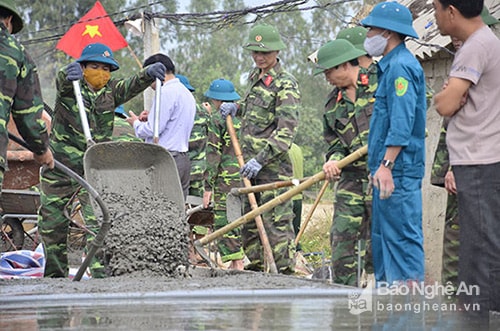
column 478, row 189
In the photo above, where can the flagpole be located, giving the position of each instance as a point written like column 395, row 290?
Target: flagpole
column 135, row 56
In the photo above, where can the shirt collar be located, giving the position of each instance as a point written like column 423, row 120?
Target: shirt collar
column 386, row 59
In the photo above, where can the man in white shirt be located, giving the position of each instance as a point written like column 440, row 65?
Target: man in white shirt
column 177, row 112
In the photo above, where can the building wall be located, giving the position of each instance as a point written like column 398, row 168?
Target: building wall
column 434, row 198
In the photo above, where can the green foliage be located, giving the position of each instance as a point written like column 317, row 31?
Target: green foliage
column 315, row 241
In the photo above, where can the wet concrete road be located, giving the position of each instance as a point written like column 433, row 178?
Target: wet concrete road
column 225, row 301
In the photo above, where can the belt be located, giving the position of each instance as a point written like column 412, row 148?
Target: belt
column 175, row 153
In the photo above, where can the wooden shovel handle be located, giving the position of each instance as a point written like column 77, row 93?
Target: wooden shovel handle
column 279, row 199
column 267, row 186
column 311, row 212
column 268, row 253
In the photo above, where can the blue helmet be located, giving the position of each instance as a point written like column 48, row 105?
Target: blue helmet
column 391, row 16
column 98, row 53
column 120, row 112
column 185, row 81
column 223, row 90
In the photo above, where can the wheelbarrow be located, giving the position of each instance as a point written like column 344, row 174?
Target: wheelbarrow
column 129, row 167
column 106, row 224
column 18, row 207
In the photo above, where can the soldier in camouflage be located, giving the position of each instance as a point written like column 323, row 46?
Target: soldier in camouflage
column 197, row 143
column 269, row 114
column 222, row 171
column 346, row 124
column 442, row 176
column 122, row 131
column 20, row 92
column 101, row 95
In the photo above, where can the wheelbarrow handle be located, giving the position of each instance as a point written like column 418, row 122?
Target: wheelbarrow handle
column 156, row 123
column 81, row 111
column 106, row 223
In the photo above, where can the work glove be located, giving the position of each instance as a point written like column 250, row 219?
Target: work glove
column 251, row 169
column 157, row 70
column 74, row 71
column 229, row 108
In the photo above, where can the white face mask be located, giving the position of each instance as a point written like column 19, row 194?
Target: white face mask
column 375, row 45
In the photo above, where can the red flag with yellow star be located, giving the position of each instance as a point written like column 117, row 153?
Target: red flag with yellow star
column 94, row 27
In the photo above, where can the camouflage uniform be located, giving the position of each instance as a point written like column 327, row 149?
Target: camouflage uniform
column 270, row 114
column 68, row 144
column 222, row 174
column 346, row 130
column 197, row 150
column 440, row 166
column 122, row 131
column 297, row 159
column 20, row 96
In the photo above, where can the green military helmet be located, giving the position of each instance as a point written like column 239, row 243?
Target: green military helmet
column 355, row 36
column 487, row 18
column 264, row 38
column 334, row 53
column 17, row 21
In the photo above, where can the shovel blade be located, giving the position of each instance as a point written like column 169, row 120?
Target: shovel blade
column 234, row 207
column 128, row 168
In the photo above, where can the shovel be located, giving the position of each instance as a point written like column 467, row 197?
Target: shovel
column 268, row 253
column 198, row 244
column 106, row 224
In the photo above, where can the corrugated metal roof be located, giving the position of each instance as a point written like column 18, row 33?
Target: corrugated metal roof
column 425, row 25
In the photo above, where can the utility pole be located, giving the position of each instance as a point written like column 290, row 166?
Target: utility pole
column 151, row 46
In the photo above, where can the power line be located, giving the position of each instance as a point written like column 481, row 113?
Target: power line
column 215, row 20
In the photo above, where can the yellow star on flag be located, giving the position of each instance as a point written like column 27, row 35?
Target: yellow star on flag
column 92, row 31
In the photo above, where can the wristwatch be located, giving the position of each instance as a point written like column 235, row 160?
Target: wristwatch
column 388, row 164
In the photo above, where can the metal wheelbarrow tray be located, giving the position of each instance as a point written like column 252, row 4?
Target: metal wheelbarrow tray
column 129, row 168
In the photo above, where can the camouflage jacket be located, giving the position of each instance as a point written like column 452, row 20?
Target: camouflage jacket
column 198, row 142
column 222, row 171
column 68, row 141
column 441, row 163
column 122, row 131
column 21, row 96
column 346, row 124
column 269, row 119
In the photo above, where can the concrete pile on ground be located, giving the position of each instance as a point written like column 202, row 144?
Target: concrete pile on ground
column 148, row 236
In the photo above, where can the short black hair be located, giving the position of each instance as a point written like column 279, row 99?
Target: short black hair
column 162, row 58
column 468, row 8
column 4, row 12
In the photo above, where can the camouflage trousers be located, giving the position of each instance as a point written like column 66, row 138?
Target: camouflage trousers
column 350, row 230
column 196, row 186
column 451, row 242
column 56, row 192
column 229, row 245
column 279, row 229
column 297, row 218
